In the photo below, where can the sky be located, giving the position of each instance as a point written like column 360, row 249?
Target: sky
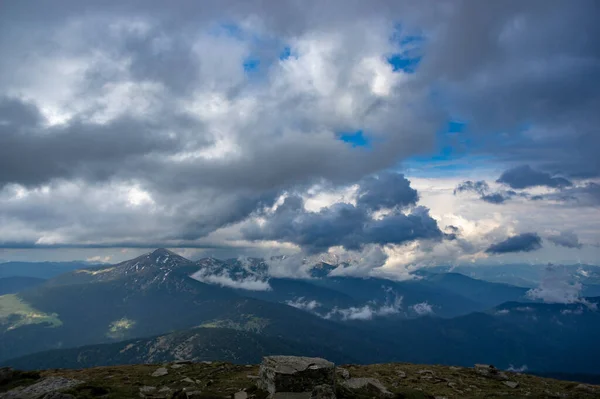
column 396, row 134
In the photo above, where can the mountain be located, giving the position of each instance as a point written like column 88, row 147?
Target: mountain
column 486, row 293
column 10, row 285
column 198, row 344
column 151, row 295
column 42, row 270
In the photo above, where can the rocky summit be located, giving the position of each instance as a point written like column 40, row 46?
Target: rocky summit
column 281, row 377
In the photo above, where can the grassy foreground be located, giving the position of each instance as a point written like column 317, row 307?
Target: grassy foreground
column 223, row 380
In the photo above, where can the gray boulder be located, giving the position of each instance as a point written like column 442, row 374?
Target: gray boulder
column 489, row 371
column 294, row 374
column 41, row 389
column 323, row 392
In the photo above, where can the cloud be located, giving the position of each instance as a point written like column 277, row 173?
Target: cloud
column 524, row 242
column 368, row 311
column 422, row 308
column 566, row 239
column 525, row 177
column 118, row 150
column 482, row 188
column 556, row 287
column 350, row 226
column 301, row 303
column 386, row 191
column 224, row 280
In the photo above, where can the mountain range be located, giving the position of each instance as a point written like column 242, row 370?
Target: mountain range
column 161, row 306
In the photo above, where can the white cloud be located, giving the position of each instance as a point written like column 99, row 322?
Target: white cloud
column 250, row 283
column 368, row 311
column 304, row 304
column 422, row 308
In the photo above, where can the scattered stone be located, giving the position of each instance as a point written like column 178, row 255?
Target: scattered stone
column 455, row 368
column 294, row 374
column 367, row 383
column 240, row 395
column 188, row 380
column 177, row 366
column 452, row 384
column 511, row 384
column 323, row 392
column 147, row 389
column 425, row 372
column 41, row 388
column 162, row 371
column 401, row 374
column 342, row 372
column 206, row 362
column 489, row 371
column 164, row 390
column 253, row 377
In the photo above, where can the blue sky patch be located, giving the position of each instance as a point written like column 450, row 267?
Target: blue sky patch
column 400, row 62
column 251, row 64
column 356, row 139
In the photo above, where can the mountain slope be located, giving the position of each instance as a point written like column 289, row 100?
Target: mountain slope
column 199, row 344
column 10, row 285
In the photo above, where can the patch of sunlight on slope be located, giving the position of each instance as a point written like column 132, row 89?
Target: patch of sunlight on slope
column 246, row 323
column 94, row 272
column 118, row 328
column 15, row 313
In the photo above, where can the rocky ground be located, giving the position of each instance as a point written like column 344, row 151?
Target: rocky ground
column 285, row 377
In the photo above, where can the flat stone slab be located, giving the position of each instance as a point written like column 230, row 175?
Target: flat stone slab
column 294, row 374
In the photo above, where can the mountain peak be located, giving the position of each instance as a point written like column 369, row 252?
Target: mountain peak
column 162, row 252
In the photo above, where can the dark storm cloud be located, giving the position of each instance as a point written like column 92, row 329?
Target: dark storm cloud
column 351, row 226
column 501, row 66
column 386, row 191
column 341, row 225
column 528, row 69
column 480, row 187
column 566, row 239
column 525, row 176
column 483, row 190
column 31, row 154
column 525, row 242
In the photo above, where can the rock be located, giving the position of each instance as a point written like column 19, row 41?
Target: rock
column 188, row 380
column 401, row 374
column 323, row 392
column 207, row 362
column 162, row 371
column 183, row 394
column 177, row 366
column 41, row 388
column 371, row 384
column 146, row 390
column 585, row 388
column 511, row 384
column 454, row 368
column 425, row 372
column 489, row 371
column 294, row 374
column 252, row 377
column 342, row 372
column 240, row 395
column 164, row 390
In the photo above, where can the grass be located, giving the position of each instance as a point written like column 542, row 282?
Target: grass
column 250, row 323
column 14, row 313
column 222, row 380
